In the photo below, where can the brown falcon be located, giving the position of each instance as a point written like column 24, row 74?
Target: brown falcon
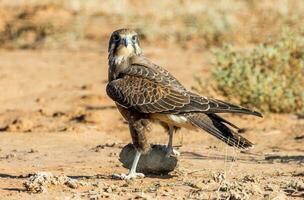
column 145, row 92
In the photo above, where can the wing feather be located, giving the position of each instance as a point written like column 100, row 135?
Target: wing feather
column 209, row 105
column 145, row 95
column 149, row 88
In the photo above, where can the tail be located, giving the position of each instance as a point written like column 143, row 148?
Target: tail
column 215, row 125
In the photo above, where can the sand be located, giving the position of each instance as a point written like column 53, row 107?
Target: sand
column 56, row 119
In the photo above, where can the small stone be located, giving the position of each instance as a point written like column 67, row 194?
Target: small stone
column 86, row 87
column 22, row 125
column 37, row 183
column 125, row 185
column 109, row 190
column 11, row 155
column 113, row 154
column 33, row 151
column 93, row 117
column 58, row 114
column 40, row 181
column 200, row 185
column 249, row 178
column 71, row 183
column 218, row 177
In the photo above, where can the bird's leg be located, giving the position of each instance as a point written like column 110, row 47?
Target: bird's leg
column 170, row 142
column 170, row 150
column 137, row 129
column 132, row 172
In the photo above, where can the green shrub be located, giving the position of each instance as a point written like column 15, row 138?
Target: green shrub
column 270, row 77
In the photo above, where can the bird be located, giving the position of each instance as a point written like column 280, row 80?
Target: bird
column 146, row 93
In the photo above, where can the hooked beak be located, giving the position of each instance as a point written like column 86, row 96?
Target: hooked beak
column 125, row 41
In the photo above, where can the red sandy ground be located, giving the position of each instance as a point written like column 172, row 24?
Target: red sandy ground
column 54, row 112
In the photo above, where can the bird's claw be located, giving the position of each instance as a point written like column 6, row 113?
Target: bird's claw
column 172, row 152
column 129, row 176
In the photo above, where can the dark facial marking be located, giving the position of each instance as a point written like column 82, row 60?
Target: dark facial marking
column 116, row 37
column 134, row 38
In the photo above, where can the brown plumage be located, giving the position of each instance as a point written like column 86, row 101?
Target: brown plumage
column 145, row 92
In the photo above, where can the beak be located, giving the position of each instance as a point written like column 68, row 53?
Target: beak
column 125, row 41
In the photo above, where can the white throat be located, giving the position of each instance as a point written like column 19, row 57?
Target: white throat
column 121, row 55
column 117, row 60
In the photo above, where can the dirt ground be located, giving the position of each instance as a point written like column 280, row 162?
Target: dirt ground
column 55, row 117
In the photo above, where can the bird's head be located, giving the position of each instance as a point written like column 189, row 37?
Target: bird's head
column 123, row 43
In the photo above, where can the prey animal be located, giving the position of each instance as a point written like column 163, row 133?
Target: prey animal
column 145, row 92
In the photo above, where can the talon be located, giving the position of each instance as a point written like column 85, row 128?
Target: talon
column 117, row 176
column 175, row 153
column 129, row 176
column 172, row 152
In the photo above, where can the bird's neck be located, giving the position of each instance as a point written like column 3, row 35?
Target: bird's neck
column 120, row 54
column 117, row 59
column 117, row 63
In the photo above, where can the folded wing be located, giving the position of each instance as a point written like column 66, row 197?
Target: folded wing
column 145, row 95
column 149, row 88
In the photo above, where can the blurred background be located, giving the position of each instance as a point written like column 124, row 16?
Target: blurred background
column 71, row 23
column 56, row 116
column 267, row 37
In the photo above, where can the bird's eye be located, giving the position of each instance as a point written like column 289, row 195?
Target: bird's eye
column 134, row 37
column 116, row 38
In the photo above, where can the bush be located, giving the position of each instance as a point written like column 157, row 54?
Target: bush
column 270, row 77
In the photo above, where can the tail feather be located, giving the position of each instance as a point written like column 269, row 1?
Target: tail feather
column 220, row 119
column 214, row 125
column 235, row 109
